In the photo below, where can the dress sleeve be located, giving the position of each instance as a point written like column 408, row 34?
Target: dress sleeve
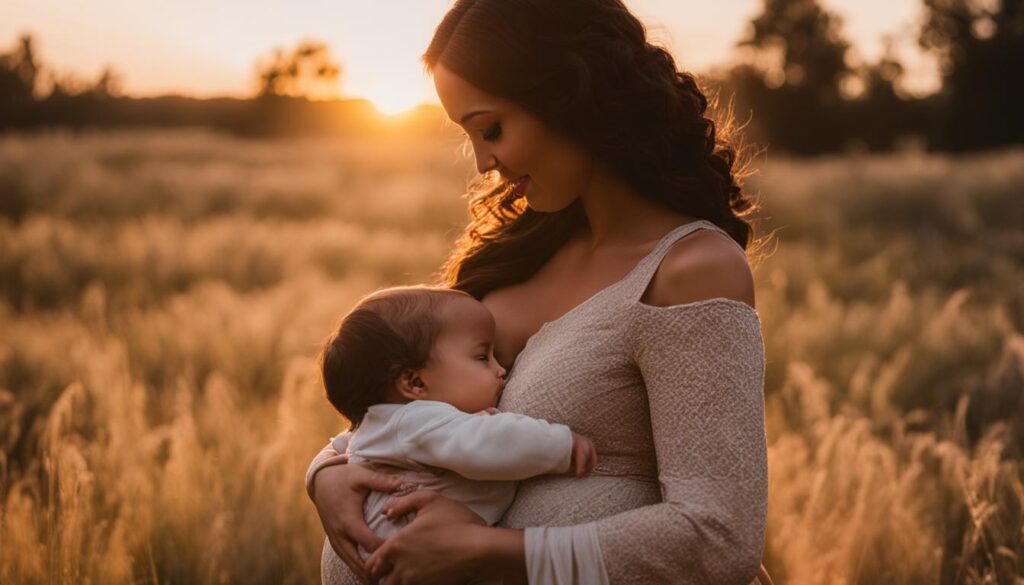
column 504, row 447
column 703, row 366
column 332, row 454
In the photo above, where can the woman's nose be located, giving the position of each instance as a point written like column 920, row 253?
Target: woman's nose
column 485, row 161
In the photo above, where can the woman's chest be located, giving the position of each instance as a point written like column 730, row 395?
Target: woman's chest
column 517, row 317
column 578, row 371
column 565, row 283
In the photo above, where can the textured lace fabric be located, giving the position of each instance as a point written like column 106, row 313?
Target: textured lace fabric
column 673, row 399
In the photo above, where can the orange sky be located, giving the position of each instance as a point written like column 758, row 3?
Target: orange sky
column 208, row 48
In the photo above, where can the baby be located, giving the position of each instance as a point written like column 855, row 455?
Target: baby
column 413, row 369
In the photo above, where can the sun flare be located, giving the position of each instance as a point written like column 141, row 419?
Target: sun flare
column 392, row 104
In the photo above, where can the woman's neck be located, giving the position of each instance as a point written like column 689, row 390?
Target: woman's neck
column 620, row 217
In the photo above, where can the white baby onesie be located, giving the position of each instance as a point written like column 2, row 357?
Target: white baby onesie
column 473, row 459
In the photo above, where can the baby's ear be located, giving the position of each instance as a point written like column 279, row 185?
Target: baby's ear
column 410, row 386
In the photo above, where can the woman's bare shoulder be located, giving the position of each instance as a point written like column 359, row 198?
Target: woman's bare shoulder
column 705, row 264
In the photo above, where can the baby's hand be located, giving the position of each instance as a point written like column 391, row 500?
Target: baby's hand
column 488, row 411
column 584, row 457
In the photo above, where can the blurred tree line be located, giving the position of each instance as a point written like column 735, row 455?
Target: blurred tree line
column 291, row 98
column 795, row 77
column 805, row 97
column 24, row 81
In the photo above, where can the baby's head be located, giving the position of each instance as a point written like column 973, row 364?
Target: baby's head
column 412, row 343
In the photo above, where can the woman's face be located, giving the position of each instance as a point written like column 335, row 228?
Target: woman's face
column 547, row 168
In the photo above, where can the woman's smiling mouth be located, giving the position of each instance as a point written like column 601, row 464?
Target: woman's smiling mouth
column 519, row 185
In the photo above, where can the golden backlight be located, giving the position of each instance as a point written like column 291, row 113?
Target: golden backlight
column 161, row 48
column 396, row 99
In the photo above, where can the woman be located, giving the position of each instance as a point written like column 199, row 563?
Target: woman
column 610, row 247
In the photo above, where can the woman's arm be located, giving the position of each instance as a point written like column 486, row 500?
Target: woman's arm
column 338, row 492
column 703, row 366
column 446, row 543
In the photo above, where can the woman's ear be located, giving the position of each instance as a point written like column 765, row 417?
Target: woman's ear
column 410, row 386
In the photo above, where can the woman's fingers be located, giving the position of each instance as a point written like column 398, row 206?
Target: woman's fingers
column 340, row 506
column 403, row 505
column 379, row 482
column 361, row 533
column 346, row 549
column 357, row 529
column 377, row 563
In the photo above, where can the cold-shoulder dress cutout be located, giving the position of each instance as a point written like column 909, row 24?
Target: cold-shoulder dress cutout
column 673, row 399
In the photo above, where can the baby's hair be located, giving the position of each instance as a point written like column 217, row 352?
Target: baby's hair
column 387, row 332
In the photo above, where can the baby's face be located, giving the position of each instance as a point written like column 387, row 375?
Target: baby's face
column 462, row 370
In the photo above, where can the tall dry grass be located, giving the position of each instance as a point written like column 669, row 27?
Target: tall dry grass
column 163, row 294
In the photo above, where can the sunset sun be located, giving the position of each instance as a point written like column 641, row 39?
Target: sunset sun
column 395, row 102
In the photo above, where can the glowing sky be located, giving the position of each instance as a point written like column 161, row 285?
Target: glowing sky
column 208, row 48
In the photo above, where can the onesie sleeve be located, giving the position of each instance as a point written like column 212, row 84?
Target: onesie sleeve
column 505, row 446
column 332, row 454
column 703, row 366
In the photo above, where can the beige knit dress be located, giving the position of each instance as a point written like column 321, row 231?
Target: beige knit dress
column 672, row 398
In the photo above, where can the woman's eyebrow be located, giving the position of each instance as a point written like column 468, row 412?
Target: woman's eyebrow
column 470, row 115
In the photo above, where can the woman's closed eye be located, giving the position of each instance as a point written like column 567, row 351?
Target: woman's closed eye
column 492, row 132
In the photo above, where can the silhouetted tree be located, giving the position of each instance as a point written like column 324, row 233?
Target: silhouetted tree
column 305, row 71
column 108, row 84
column 792, row 78
column 71, row 86
column 19, row 73
column 877, row 115
column 23, row 80
column 812, row 45
column 981, row 51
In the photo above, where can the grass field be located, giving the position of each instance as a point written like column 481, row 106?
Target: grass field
column 163, row 296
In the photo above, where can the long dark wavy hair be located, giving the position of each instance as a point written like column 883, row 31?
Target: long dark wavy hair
column 586, row 69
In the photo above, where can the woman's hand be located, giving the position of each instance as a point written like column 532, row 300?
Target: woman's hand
column 340, row 493
column 437, row 546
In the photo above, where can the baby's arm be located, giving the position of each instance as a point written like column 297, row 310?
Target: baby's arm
column 503, row 446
